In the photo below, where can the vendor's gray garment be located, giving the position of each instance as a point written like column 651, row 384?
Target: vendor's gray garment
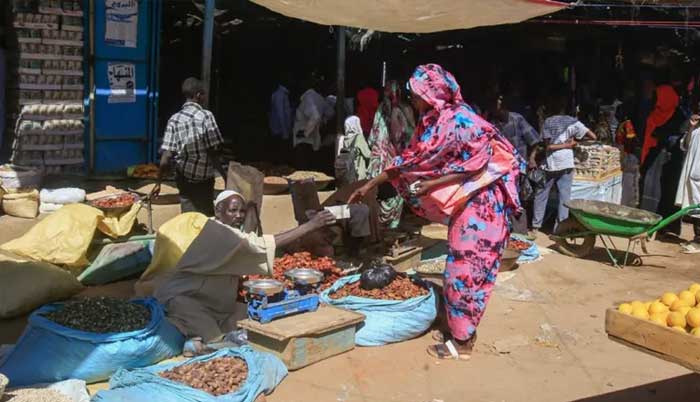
column 200, row 295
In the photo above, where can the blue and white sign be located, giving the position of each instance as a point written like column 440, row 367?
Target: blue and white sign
column 121, row 22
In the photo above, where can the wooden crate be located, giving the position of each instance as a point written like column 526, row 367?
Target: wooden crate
column 303, row 339
column 662, row 342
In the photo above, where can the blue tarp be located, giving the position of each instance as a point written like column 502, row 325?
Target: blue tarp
column 265, row 372
column 48, row 352
column 386, row 321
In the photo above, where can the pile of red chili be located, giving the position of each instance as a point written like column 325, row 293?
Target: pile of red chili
column 283, row 264
column 401, row 288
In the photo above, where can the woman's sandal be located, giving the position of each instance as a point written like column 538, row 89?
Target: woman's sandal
column 447, row 351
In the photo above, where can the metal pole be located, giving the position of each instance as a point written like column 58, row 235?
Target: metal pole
column 207, row 44
column 340, row 99
column 91, row 95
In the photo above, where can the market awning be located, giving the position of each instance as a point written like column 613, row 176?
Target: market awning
column 415, row 16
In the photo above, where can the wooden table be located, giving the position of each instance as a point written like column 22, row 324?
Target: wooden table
column 303, row 339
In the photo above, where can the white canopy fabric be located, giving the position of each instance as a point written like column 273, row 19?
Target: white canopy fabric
column 412, row 16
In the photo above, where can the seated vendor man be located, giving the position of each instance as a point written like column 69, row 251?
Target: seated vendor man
column 200, row 295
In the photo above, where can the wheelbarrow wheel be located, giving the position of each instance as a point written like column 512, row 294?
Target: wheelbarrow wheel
column 577, row 247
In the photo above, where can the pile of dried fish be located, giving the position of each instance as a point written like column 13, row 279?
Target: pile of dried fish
column 101, row 315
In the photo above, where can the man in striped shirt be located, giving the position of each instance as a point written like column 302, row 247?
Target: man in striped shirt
column 192, row 141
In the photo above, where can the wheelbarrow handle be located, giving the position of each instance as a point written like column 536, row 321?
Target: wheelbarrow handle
column 666, row 221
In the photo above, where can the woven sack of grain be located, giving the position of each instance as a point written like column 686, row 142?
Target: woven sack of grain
column 24, row 204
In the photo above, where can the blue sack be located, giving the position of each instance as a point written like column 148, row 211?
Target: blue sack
column 386, row 321
column 265, row 373
column 49, row 352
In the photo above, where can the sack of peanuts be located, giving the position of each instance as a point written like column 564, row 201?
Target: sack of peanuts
column 248, row 374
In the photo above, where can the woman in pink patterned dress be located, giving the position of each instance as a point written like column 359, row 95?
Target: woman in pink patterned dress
column 458, row 171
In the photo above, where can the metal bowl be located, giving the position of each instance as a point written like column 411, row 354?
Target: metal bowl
column 304, row 276
column 264, row 287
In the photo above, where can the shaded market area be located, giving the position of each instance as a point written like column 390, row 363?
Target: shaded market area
column 233, row 200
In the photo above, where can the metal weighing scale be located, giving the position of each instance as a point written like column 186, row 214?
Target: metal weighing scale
column 268, row 299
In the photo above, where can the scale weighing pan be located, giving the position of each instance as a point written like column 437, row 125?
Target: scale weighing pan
column 264, row 287
column 304, row 276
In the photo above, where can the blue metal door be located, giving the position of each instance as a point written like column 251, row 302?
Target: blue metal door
column 126, row 39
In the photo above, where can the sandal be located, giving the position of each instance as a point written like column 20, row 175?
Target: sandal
column 447, row 351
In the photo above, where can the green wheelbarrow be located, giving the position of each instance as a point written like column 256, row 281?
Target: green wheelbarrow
column 576, row 236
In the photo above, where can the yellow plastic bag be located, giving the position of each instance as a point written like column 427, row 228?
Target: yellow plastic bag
column 26, row 285
column 117, row 226
column 62, row 238
column 172, row 240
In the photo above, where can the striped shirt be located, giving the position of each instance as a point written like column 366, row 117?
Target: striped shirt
column 189, row 134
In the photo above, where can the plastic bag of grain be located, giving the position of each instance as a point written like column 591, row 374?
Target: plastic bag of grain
column 22, row 204
column 15, row 177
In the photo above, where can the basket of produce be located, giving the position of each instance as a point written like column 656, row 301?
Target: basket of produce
column 596, row 161
column 270, row 169
column 667, row 327
column 275, row 185
column 145, row 171
column 434, row 266
column 321, row 180
column 115, row 204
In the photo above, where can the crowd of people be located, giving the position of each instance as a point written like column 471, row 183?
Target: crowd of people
column 424, row 150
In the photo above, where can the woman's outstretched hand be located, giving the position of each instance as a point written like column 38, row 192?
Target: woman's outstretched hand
column 359, row 194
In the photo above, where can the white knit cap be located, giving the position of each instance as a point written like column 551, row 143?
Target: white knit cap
column 226, row 194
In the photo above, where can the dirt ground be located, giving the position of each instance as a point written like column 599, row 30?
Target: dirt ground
column 542, row 338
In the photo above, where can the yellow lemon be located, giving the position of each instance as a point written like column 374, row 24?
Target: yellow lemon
column 695, row 332
column 657, row 307
column 679, row 329
column 640, row 312
column 697, row 297
column 637, row 304
column 678, row 304
column 648, row 304
column 625, row 308
column 684, row 310
column 659, row 318
column 694, row 288
column 676, row 319
column 687, row 297
column 693, row 317
column 668, row 298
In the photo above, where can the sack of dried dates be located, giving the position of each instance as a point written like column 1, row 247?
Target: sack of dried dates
column 228, row 375
column 401, row 310
column 89, row 339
